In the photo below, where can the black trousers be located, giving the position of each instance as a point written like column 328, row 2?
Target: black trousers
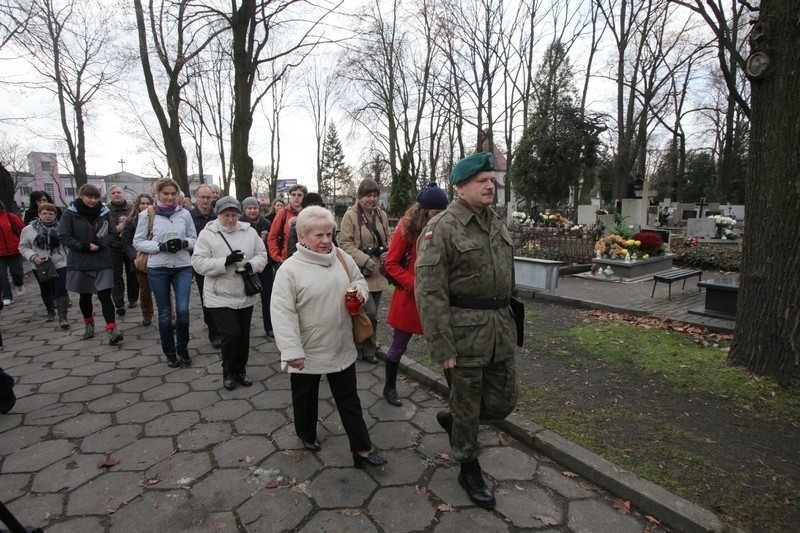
column 305, row 404
column 124, row 272
column 234, row 328
column 207, row 318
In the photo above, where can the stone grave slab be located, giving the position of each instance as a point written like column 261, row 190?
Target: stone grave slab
column 704, row 228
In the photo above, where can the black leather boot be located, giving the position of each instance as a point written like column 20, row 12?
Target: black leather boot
column 390, row 388
column 471, row 479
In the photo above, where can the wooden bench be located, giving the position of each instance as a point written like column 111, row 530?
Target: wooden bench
column 675, row 275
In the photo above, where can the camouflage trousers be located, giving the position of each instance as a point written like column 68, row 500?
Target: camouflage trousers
column 478, row 394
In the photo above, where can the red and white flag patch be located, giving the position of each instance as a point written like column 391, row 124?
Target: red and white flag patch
column 428, row 235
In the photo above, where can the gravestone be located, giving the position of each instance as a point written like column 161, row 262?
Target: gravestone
column 587, row 214
column 704, row 228
column 608, row 223
column 678, row 215
column 635, row 209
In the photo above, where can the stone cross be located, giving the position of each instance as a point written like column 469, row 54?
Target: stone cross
column 701, row 204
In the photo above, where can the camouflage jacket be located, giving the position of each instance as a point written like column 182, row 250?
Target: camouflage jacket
column 457, row 254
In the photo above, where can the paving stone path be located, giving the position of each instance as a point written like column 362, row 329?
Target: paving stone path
column 108, row 438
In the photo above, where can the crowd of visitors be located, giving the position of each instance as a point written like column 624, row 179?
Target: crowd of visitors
column 450, row 265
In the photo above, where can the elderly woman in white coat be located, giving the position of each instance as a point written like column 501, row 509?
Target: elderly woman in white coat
column 314, row 332
column 223, row 247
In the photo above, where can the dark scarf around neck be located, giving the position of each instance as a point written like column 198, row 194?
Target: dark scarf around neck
column 89, row 213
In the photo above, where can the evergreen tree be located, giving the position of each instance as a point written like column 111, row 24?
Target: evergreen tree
column 402, row 194
column 558, row 139
column 332, row 164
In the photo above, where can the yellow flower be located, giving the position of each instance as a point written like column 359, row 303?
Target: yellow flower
column 646, row 256
column 637, row 243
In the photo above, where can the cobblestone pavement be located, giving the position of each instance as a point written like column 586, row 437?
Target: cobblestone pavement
column 110, row 439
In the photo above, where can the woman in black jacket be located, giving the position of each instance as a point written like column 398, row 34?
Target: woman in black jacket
column 252, row 214
column 87, row 231
column 36, row 198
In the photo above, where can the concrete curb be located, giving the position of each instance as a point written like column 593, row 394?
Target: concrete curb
column 650, row 498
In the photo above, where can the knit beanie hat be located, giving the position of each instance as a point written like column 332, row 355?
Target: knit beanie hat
column 432, row 197
column 226, row 202
column 247, row 202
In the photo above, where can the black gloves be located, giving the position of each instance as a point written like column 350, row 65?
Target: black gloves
column 248, row 267
column 173, row 245
column 233, row 257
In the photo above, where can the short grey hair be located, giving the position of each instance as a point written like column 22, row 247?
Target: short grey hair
column 314, row 217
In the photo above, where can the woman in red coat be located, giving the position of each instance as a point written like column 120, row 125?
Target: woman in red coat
column 400, row 260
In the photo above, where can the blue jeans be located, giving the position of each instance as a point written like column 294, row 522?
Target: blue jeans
column 179, row 280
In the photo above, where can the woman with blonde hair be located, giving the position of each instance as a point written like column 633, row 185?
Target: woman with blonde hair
column 313, row 330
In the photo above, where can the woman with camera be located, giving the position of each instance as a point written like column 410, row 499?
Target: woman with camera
column 365, row 237
column 169, row 268
column 227, row 250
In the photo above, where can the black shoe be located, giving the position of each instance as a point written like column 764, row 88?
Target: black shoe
column 121, row 311
column 391, row 396
column 183, row 355
column 51, row 316
column 372, row 459
column 147, row 321
column 7, row 402
column 228, row 382
column 133, row 305
column 476, row 489
column 216, row 342
column 172, row 362
column 370, row 359
column 445, row 419
column 244, row 380
column 271, row 335
column 312, row 445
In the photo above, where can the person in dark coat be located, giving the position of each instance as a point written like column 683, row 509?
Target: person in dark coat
column 86, row 231
column 203, row 213
column 124, row 275
column 142, row 202
column 252, row 215
column 37, row 198
column 400, row 261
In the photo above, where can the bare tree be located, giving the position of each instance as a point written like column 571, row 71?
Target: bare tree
column 179, row 31
column 14, row 19
column 279, row 92
column 258, row 40
column 320, row 86
column 70, row 46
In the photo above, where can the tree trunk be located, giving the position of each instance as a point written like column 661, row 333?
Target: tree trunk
column 767, row 336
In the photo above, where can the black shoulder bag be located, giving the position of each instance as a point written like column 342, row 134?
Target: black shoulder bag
column 252, row 283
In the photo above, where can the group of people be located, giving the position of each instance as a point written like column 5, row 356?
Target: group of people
column 451, row 264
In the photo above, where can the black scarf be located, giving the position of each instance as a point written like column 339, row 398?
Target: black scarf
column 89, row 213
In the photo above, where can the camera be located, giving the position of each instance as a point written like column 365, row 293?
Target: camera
column 375, row 251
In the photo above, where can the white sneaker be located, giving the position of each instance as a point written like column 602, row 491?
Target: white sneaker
column 8, row 301
column 21, row 290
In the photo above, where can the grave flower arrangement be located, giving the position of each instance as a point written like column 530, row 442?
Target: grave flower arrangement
column 724, row 227
column 650, row 243
column 617, row 246
column 519, row 217
column 554, row 220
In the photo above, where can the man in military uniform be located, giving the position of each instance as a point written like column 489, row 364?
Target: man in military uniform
column 463, row 287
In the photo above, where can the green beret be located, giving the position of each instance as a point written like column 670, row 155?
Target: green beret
column 471, row 165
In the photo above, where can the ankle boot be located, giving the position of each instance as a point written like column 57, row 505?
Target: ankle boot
column 390, row 388
column 62, row 304
column 88, row 333
column 49, row 304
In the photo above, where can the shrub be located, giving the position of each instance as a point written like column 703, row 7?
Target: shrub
column 708, row 257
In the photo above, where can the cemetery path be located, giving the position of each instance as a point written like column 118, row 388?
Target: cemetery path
column 698, row 445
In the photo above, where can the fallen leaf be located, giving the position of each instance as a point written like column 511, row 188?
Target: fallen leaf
column 273, row 483
column 622, row 506
column 653, row 520
column 445, row 508
column 222, row 525
column 546, row 520
column 108, row 462
column 350, row 512
column 567, row 473
column 248, row 459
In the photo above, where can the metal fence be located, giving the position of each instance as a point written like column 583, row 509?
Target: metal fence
column 557, row 244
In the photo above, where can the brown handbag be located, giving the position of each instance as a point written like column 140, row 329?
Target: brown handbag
column 362, row 324
column 140, row 261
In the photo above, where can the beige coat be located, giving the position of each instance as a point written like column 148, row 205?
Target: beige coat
column 29, row 249
column 354, row 236
column 309, row 316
